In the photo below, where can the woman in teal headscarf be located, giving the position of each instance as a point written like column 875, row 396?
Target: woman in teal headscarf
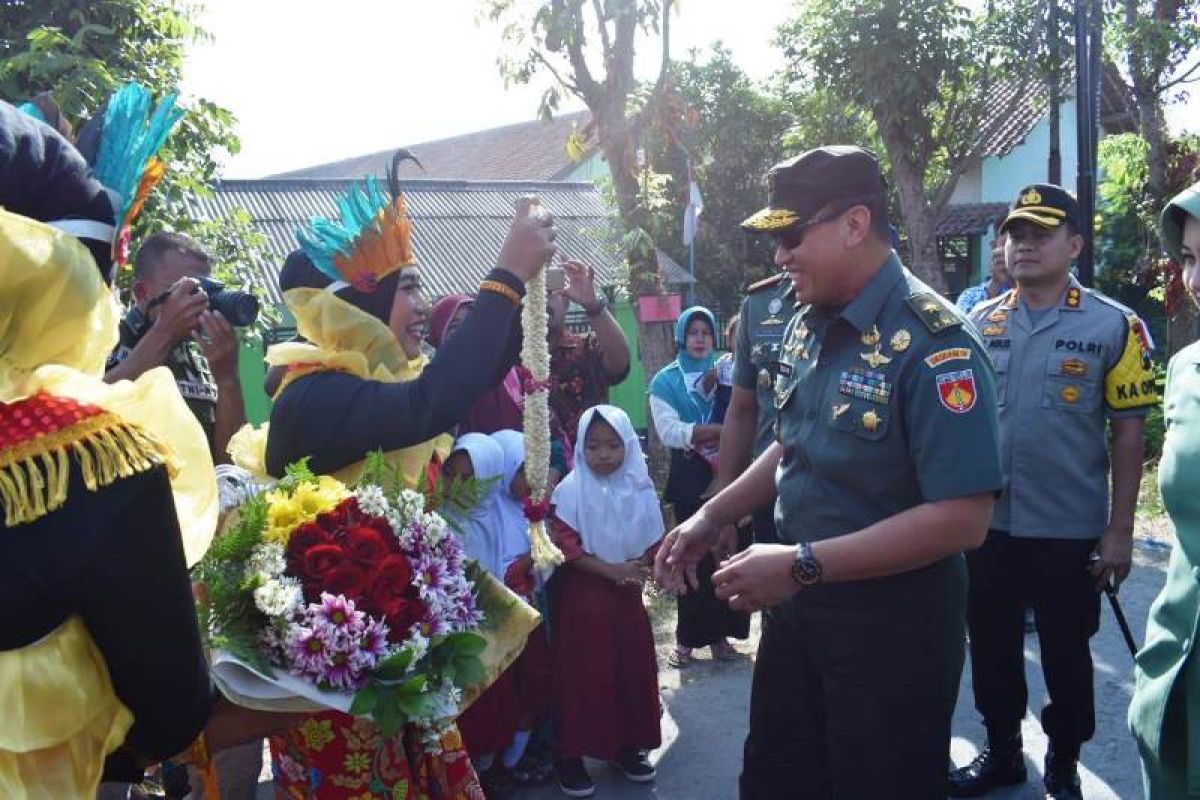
column 681, row 403
column 1165, row 712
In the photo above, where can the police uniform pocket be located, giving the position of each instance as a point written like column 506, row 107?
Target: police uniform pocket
column 1000, row 364
column 866, row 420
column 1068, row 393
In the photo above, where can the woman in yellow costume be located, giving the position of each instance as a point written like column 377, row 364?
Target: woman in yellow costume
column 360, row 383
column 101, row 666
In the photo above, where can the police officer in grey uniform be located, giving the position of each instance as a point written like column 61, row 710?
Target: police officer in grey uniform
column 1070, row 364
column 881, row 388
column 749, row 426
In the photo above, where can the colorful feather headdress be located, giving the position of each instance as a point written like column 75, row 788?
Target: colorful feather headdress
column 122, row 144
column 370, row 239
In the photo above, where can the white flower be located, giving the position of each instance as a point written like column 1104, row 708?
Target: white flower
column 372, row 501
column 279, row 597
column 435, row 528
column 418, row 644
column 410, row 505
column 267, row 560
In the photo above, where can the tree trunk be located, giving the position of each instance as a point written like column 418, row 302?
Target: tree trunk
column 921, row 223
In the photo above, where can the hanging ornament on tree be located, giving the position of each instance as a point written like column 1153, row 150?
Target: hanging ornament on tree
column 535, row 355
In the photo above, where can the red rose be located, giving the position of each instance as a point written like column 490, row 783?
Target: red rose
column 346, row 578
column 320, row 559
column 390, row 586
column 344, row 515
column 304, row 538
column 368, row 546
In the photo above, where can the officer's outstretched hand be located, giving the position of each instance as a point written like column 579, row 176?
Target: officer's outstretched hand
column 681, row 551
column 758, row 577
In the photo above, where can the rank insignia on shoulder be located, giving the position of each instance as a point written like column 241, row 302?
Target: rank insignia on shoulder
column 1073, row 297
column 932, row 311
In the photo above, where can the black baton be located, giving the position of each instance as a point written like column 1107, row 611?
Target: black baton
column 1111, row 591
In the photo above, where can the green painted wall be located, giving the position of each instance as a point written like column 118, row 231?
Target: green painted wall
column 630, row 394
column 253, row 369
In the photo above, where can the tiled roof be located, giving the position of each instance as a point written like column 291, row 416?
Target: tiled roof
column 1004, row 131
column 526, row 151
column 969, row 219
column 458, row 226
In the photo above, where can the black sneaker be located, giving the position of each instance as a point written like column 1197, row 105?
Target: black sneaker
column 635, row 766
column 1062, row 779
column 991, row 769
column 573, row 778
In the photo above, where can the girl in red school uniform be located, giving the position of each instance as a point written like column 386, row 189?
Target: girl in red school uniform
column 607, row 521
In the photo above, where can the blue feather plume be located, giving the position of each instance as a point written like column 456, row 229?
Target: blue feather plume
column 324, row 239
column 132, row 136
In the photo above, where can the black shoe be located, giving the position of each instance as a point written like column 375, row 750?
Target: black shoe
column 635, row 766
column 573, row 778
column 1062, row 778
column 994, row 767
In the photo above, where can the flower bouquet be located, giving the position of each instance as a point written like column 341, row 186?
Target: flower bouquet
column 318, row 595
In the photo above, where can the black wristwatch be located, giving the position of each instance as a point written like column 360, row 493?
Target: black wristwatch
column 806, row 570
column 597, row 308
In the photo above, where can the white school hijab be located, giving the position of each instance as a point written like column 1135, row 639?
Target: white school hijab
column 482, row 529
column 618, row 516
column 515, row 527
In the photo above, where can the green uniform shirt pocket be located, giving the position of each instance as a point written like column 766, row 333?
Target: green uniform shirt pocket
column 866, row 420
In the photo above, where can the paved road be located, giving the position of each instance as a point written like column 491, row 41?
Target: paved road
column 706, row 710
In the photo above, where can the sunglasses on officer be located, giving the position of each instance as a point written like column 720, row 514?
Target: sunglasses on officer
column 793, row 237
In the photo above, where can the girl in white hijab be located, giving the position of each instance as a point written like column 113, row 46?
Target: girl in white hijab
column 607, row 520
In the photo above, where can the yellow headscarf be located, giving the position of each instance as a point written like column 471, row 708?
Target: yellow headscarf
column 340, row 338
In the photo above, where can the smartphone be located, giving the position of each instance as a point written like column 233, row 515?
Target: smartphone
column 556, row 279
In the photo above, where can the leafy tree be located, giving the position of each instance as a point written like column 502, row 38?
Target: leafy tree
column 1156, row 40
column 922, row 71
column 81, row 52
column 732, row 132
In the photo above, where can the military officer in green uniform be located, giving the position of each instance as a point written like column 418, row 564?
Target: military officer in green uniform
column 1165, row 712
column 1072, row 366
column 881, row 389
column 749, row 426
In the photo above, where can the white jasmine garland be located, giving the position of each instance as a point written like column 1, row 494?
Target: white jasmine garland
column 535, row 355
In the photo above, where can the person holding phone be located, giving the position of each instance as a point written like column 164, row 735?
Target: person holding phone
column 582, row 367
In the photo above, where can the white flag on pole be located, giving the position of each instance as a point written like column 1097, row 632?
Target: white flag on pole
column 691, row 214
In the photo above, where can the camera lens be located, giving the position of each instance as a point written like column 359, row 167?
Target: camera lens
column 240, row 308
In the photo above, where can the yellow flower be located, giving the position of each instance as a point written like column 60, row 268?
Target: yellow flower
column 287, row 512
column 317, row 733
column 284, row 515
column 317, row 498
column 356, row 762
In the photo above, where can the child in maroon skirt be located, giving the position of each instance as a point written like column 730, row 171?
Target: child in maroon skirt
column 607, row 522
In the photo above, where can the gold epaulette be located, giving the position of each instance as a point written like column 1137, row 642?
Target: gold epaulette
column 766, row 283
column 39, row 433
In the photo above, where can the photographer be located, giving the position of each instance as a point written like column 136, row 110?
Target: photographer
column 176, row 323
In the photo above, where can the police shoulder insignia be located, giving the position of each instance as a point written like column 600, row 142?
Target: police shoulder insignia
column 1073, row 298
column 933, row 311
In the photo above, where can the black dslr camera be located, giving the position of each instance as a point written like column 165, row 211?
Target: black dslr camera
column 240, row 308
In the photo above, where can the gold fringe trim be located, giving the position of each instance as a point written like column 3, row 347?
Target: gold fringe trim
column 34, row 475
